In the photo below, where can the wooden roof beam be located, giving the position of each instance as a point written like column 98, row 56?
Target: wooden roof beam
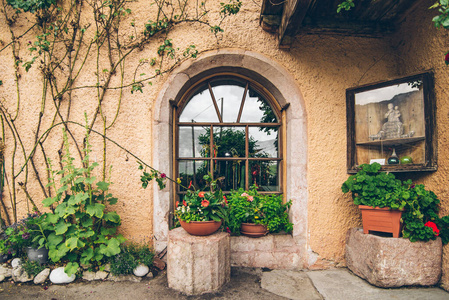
column 292, row 17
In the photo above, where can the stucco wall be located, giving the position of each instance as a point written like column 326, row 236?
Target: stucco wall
column 420, row 46
column 323, row 68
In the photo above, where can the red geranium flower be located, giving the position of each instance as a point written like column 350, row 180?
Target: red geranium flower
column 204, row 203
column 433, row 226
column 224, row 197
column 177, row 203
column 201, row 194
column 184, row 202
column 163, row 175
column 190, row 184
column 228, row 230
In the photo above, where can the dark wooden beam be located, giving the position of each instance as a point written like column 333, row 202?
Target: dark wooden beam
column 292, row 17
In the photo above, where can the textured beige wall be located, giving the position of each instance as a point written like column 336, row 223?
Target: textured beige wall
column 420, row 46
column 323, row 66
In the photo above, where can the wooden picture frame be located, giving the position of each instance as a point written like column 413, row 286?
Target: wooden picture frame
column 393, row 116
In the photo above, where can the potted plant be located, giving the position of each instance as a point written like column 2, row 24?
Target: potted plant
column 35, row 238
column 414, row 209
column 202, row 212
column 254, row 214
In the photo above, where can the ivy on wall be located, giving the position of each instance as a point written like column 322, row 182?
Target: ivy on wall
column 67, row 36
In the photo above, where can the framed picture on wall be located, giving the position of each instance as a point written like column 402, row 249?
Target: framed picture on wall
column 393, row 121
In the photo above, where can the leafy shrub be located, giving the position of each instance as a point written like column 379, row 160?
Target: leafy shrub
column 32, row 267
column 130, row 257
column 81, row 230
column 252, row 207
column 420, row 218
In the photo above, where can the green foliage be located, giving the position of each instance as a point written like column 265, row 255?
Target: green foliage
column 130, row 256
column 31, row 5
column 28, row 232
column 252, row 207
column 442, row 20
column 199, row 205
column 346, row 5
column 32, row 267
column 153, row 174
column 232, row 8
column 80, row 229
column 374, row 188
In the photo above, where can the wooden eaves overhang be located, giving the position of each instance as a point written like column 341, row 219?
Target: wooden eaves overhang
column 289, row 18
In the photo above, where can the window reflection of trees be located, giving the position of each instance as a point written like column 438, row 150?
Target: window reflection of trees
column 235, row 149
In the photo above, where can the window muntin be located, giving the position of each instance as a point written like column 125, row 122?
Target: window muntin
column 229, row 129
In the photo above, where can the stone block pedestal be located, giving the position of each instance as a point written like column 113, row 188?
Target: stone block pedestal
column 198, row 264
column 393, row 262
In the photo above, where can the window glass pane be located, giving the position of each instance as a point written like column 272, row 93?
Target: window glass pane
column 193, row 141
column 231, row 172
column 257, row 109
column 200, row 108
column 229, row 141
column 193, row 171
column 229, row 95
column 265, row 174
column 263, row 141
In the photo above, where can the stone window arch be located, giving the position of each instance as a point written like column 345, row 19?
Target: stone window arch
column 274, row 83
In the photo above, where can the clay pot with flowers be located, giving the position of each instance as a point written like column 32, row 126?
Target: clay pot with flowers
column 202, row 212
column 386, row 195
column 254, row 214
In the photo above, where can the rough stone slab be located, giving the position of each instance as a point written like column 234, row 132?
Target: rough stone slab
column 289, row 284
column 101, row 275
column 198, row 264
column 42, row 276
column 393, row 262
column 340, row 284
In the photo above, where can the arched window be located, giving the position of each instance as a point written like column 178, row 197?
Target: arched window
column 229, row 127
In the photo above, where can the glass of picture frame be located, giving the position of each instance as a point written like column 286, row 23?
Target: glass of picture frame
column 392, row 123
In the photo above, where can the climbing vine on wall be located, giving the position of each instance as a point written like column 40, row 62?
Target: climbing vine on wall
column 69, row 40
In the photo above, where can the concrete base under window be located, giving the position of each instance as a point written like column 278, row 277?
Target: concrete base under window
column 198, row 264
column 393, row 262
column 273, row 251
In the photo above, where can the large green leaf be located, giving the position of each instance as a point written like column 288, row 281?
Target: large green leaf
column 112, row 217
column 61, row 227
column 74, row 242
column 78, row 198
column 112, row 248
column 49, row 201
column 52, row 218
column 54, row 240
column 86, row 256
column 71, row 268
column 104, row 186
column 95, row 210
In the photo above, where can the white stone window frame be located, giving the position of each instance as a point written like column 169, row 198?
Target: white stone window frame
column 279, row 83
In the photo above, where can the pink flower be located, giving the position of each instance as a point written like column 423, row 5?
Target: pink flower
column 163, row 175
column 250, row 198
column 244, row 195
column 228, row 230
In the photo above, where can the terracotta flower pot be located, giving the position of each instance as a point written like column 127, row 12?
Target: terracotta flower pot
column 381, row 219
column 253, row 230
column 201, row 227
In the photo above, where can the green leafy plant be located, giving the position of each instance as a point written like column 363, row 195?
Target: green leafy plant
column 252, row 207
column 32, row 267
column 82, row 230
column 377, row 189
column 199, row 205
column 130, row 256
column 420, row 218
